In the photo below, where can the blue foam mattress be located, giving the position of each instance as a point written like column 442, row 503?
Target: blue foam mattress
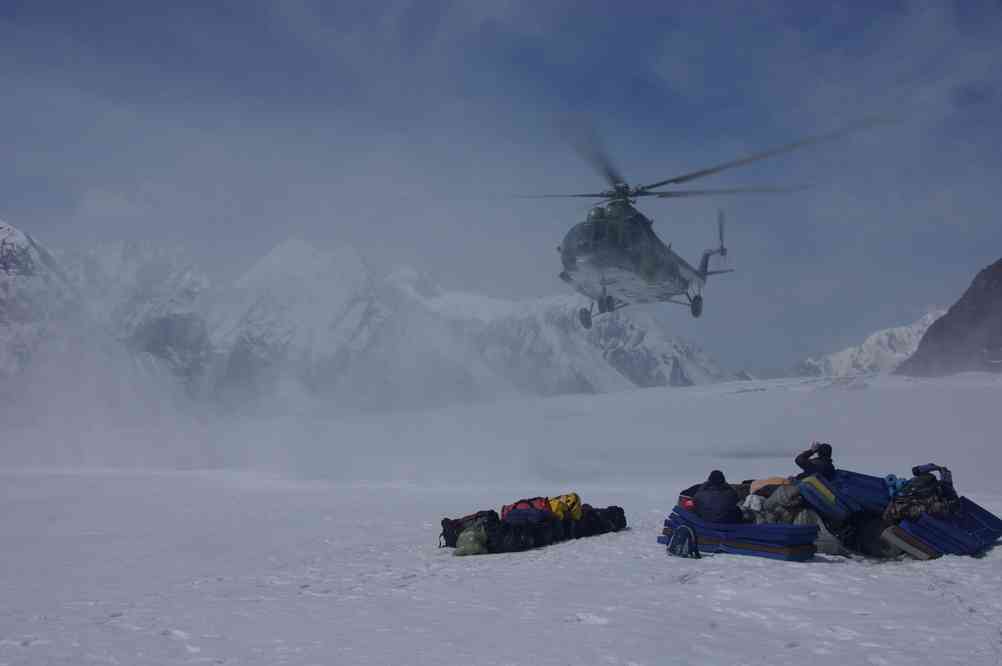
column 971, row 532
column 770, row 535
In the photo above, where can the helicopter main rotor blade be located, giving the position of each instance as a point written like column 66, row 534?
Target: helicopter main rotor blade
column 592, row 151
column 603, row 195
column 726, row 190
column 789, row 147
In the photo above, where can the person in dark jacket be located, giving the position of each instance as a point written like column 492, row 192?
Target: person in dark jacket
column 716, row 501
column 816, row 460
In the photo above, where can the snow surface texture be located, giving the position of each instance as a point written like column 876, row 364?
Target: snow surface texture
column 322, row 550
column 882, row 351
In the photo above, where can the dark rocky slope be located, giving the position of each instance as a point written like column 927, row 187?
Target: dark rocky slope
column 968, row 337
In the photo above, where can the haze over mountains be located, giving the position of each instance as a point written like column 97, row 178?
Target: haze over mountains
column 306, row 322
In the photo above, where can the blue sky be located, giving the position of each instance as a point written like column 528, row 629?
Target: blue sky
column 397, row 127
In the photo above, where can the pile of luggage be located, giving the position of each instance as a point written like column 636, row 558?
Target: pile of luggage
column 529, row 523
column 843, row 513
column 922, row 518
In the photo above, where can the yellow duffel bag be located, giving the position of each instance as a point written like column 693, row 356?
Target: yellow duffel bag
column 566, row 506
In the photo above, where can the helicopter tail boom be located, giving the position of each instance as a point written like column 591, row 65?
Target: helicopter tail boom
column 704, row 262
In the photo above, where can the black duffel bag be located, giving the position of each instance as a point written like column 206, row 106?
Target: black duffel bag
column 452, row 527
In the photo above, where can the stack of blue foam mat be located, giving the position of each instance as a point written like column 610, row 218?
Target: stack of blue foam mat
column 844, row 494
column 971, row 531
column 778, row 542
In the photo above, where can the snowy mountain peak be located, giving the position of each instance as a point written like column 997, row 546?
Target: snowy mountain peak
column 316, row 322
column 21, row 257
column 413, row 283
column 297, row 264
column 35, row 295
column 882, row 351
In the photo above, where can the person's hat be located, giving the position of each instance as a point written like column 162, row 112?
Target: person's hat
column 716, row 476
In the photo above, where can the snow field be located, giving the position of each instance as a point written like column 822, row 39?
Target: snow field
column 227, row 568
column 317, row 543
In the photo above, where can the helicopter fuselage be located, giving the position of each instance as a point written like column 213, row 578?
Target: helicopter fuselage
column 615, row 252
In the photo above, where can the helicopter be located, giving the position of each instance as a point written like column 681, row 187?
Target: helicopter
column 615, row 258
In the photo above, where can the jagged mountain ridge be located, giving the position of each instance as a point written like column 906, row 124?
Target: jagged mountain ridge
column 320, row 323
column 148, row 296
column 406, row 340
column 882, row 351
column 35, row 297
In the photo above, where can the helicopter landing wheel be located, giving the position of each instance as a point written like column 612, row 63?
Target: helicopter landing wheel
column 584, row 314
column 696, row 305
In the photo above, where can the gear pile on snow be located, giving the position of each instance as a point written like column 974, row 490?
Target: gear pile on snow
column 529, row 523
column 847, row 513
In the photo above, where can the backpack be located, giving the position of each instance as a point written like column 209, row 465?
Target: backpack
column 596, row 521
column 528, row 507
column 472, row 540
column 783, row 505
column 528, row 523
column 922, row 494
column 453, row 527
column 614, row 517
column 921, row 486
column 683, row 543
column 515, row 538
column 914, row 506
column 566, row 507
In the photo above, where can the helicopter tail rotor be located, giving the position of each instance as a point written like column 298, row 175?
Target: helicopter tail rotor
column 720, row 233
column 721, row 249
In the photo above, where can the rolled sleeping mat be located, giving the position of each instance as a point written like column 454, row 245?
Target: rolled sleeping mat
column 911, row 545
column 820, row 495
column 948, row 538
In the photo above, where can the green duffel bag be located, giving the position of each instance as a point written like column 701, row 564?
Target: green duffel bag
column 472, row 541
